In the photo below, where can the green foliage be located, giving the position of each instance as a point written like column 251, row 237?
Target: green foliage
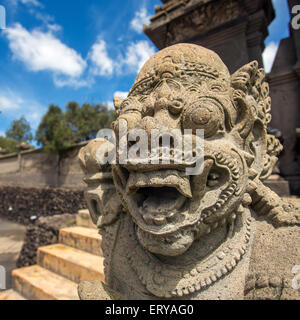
column 20, row 131
column 8, row 145
column 88, row 119
column 58, row 131
column 54, row 133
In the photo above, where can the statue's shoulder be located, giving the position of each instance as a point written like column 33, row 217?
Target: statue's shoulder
column 274, row 261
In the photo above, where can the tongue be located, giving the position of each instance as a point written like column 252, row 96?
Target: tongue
column 162, row 200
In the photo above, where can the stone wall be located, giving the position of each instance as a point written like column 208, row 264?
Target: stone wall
column 20, row 204
column 43, row 232
column 36, row 168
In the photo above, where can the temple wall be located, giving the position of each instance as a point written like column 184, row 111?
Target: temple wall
column 39, row 169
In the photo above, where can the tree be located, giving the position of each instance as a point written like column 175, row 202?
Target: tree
column 58, row 131
column 8, row 145
column 54, row 133
column 73, row 118
column 88, row 119
column 20, row 130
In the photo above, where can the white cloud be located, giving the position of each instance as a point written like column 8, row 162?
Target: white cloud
column 35, row 3
column 13, row 106
column 53, row 27
column 121, row 94
column 47, row 20
column 110, row 105
column 62, row 81
column 141, row 17
column 137, row 54
column 269, row 55
column 102, row 64
column 2, row 134
column 43, row 51
column 9, row 102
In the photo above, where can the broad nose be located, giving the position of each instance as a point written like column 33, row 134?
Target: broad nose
column 161, row 131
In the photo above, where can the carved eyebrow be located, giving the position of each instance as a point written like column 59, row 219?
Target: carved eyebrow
column 144, row 84
column 200, row 71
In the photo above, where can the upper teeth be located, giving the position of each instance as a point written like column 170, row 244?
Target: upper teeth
column 157, row 219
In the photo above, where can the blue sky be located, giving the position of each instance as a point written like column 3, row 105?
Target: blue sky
column 54, row 51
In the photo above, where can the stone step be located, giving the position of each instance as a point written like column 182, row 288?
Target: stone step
column 85, row 239
column 37, row 283
column 10, row 294
column 71, row 263
column 83, row 219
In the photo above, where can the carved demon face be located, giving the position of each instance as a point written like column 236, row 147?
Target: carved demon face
column 186, row 87
column 152, row 212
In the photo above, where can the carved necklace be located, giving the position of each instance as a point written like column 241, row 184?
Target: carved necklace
column 166, row 281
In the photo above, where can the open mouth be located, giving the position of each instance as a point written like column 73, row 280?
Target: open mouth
column 164, row 201
column 160, row 195
column 159, row 205
column 158, row 201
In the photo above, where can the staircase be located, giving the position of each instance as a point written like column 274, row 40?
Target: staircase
column 60, row 267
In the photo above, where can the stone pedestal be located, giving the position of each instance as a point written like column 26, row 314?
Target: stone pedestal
column 236, row 30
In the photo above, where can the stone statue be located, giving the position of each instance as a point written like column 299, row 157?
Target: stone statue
column 170, row 235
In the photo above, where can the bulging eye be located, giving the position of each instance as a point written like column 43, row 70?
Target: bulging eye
column 204, row 114
column 175, row 107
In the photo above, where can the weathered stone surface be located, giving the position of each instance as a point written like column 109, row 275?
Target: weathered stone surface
column 235, row 29
column 275, row 252
column 82, row 238
column 74, row 264
column 38, row 169
column 83, row 219
column 167, row 234
column 37, row 283
column 97, row 290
